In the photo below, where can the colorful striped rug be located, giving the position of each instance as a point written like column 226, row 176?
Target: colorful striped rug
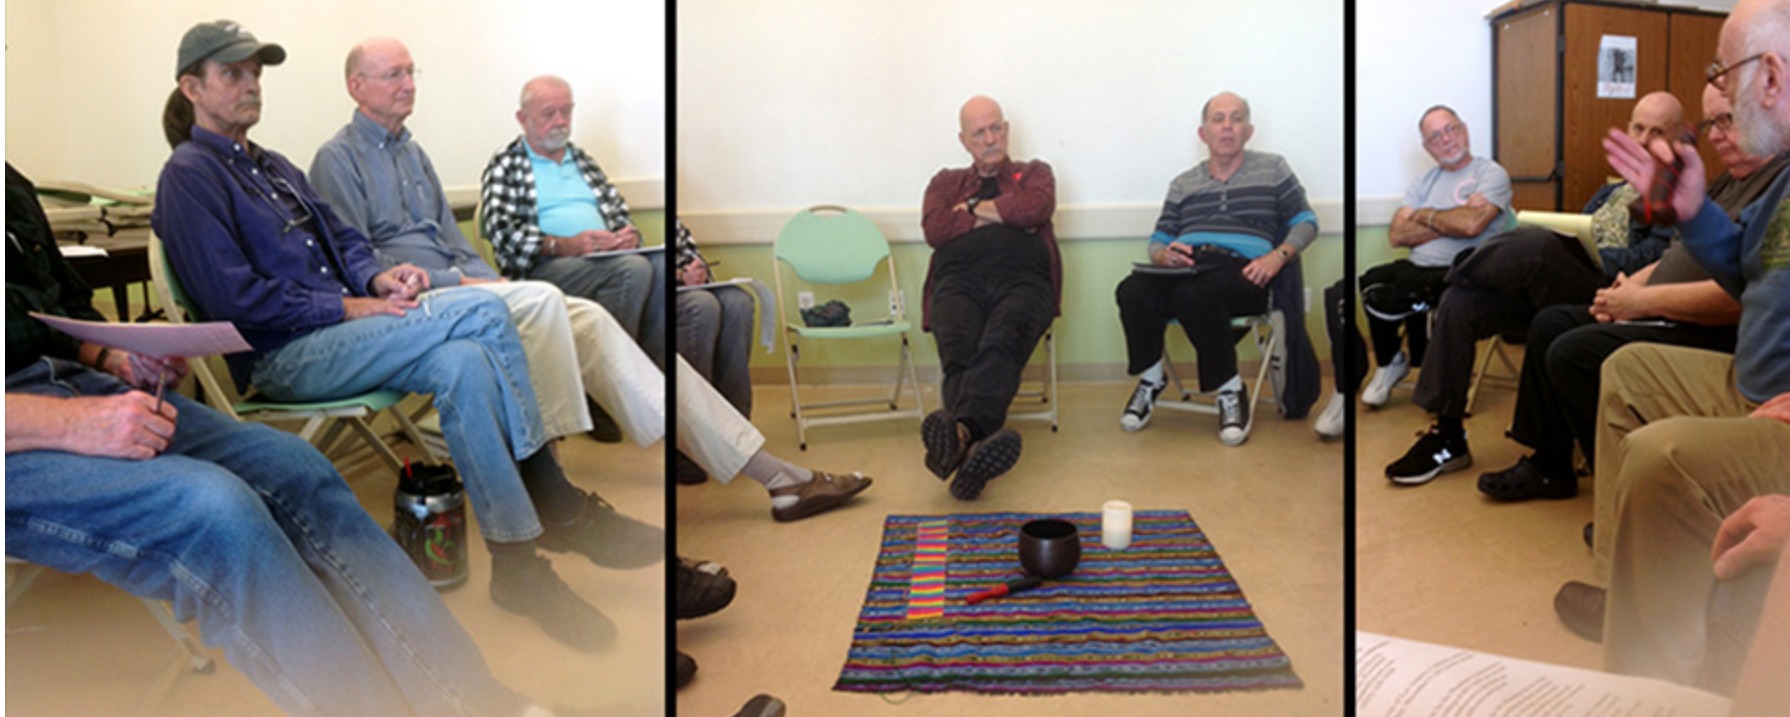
column 1160, row 616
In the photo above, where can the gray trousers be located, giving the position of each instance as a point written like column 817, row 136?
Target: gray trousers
column 714, row 333
column 629, row 286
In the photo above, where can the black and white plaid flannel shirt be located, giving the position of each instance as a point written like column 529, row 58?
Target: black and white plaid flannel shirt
column 509, row 217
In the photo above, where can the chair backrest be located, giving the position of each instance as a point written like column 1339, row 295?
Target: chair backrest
column 180, row 310
column 831, row 245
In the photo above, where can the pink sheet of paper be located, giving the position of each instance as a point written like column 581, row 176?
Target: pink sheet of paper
column 186, row 340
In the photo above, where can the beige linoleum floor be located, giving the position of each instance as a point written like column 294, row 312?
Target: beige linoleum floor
column 1443, row 563
column 80, row 648
column 1272, row 508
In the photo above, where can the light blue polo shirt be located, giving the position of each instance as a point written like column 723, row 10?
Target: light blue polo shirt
column 564, row 202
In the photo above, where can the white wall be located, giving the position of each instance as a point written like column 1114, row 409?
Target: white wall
column 1410, row 54
column 790, row 103
column 86, row 79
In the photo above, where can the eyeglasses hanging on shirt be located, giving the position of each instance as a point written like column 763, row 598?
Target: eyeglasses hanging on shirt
column 287, row 202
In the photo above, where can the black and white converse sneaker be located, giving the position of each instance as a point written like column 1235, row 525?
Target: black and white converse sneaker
column 1233, row 417
column 1143, row 400
column 1434, row 454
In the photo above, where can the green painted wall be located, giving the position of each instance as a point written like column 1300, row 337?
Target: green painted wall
column 1088, row 332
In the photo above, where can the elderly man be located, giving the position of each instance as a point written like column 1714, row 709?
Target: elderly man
column 1449, row 209
column 380, row 181
column 1231, row 225
column 384, row 184
column 202, row 511
column 1686, row 438
column 1502, row 284
column 257, row 247
column 552, row 215
column 1671, row 301
column 992, row 289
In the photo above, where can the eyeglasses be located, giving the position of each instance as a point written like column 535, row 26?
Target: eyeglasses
column 1448, row 130
column 1716, row 74
column 1723, row 122
column 304, row 210
column 395, row 75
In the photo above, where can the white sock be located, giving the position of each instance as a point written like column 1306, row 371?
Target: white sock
column 1233, row 385
column 1153, row 374
column 773, row 472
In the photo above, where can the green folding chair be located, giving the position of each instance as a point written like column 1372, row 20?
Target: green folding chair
column 836, row 247
column 353, row 412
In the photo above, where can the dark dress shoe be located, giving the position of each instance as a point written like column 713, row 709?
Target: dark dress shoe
column 687, row 472
column 685, row 669
column 701, row 590
column 1524, row 481
column 761, row 706
column 603, row 427
column 1581, row 607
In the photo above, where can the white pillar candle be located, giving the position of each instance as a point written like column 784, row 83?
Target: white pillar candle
column 1115, row 525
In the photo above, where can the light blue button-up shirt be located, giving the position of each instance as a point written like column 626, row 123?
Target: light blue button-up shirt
column 385, row 186
column 563, row 200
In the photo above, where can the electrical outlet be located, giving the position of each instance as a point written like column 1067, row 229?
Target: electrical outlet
column 1308, row 300
column 805, row 300
column 896, row 298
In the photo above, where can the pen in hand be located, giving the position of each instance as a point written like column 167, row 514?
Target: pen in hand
column 160, row 383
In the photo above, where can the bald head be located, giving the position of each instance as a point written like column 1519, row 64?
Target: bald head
column 1225, row 127
column 983, row 131
column 543, row 86
column 382, row 80
column 1758, row 88
column 1656, row 115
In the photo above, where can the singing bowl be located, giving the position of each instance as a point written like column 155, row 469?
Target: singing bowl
column 1049, row 548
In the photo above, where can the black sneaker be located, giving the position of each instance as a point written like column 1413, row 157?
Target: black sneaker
column 608, row 538
column 988, row 459
column 944, row 453
column 603, row 426
column 1434, row 454
column 685, row 669
column 1233, row 417
column 1143, row 400
column 527, row 585
column 702, row 588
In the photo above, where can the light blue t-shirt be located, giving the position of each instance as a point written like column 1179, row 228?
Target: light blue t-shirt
column 1442, row 190
column 564, row 202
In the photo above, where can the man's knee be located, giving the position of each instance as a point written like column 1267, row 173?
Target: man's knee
column 701, row 308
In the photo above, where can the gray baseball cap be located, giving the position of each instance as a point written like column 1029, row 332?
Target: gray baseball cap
column 226, row 42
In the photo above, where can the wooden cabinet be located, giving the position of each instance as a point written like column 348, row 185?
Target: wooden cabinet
column 1549, row 122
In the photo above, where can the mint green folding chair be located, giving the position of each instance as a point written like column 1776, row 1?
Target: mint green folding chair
column 353, row 412
column 839, row 249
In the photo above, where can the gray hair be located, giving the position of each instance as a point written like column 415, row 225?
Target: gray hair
column 1433, row 108
column 528, row 88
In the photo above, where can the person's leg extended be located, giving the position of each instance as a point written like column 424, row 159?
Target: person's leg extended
column 539, row 312
column 617, row 374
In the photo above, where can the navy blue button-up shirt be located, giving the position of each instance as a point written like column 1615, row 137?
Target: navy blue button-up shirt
column 254, row 245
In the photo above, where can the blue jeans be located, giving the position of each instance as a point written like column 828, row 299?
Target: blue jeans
column 458, row 345
column 253, row 532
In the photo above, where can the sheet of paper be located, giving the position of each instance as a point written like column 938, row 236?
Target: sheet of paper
column 188, row 340
column 1395, row 677
column 1577, row 226
column 767, row 304
column 619, row 252
column 76, row 251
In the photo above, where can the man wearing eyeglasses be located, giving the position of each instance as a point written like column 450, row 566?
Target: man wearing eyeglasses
column 1454, row 205
column 992, row 288
column 1688, row 440
column 1671, row 301
column 552, row 214
column 1508, row 277
column 254, row 245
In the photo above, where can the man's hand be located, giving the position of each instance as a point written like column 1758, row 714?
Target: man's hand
column 1639, row 165
column 1173, row 254
column 600, row 240
column 1622, row 301
column 400, row 283
column 146, row 372
column 695, row 273
column 1777, row 409
column 1263, row 269
column 629, row 237
column 360, row 307
column 1751, row 536
column 125, row 425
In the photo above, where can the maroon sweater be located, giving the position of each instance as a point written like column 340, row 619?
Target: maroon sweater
column 1028, row 198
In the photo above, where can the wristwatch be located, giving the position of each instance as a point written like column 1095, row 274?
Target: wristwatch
column 971, row 203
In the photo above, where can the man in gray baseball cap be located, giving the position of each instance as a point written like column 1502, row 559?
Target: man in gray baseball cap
column 226, row 42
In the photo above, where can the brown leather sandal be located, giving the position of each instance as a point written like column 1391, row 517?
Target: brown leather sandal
column 825, row 492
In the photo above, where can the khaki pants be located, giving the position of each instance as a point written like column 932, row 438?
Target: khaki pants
column 1677, row 454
